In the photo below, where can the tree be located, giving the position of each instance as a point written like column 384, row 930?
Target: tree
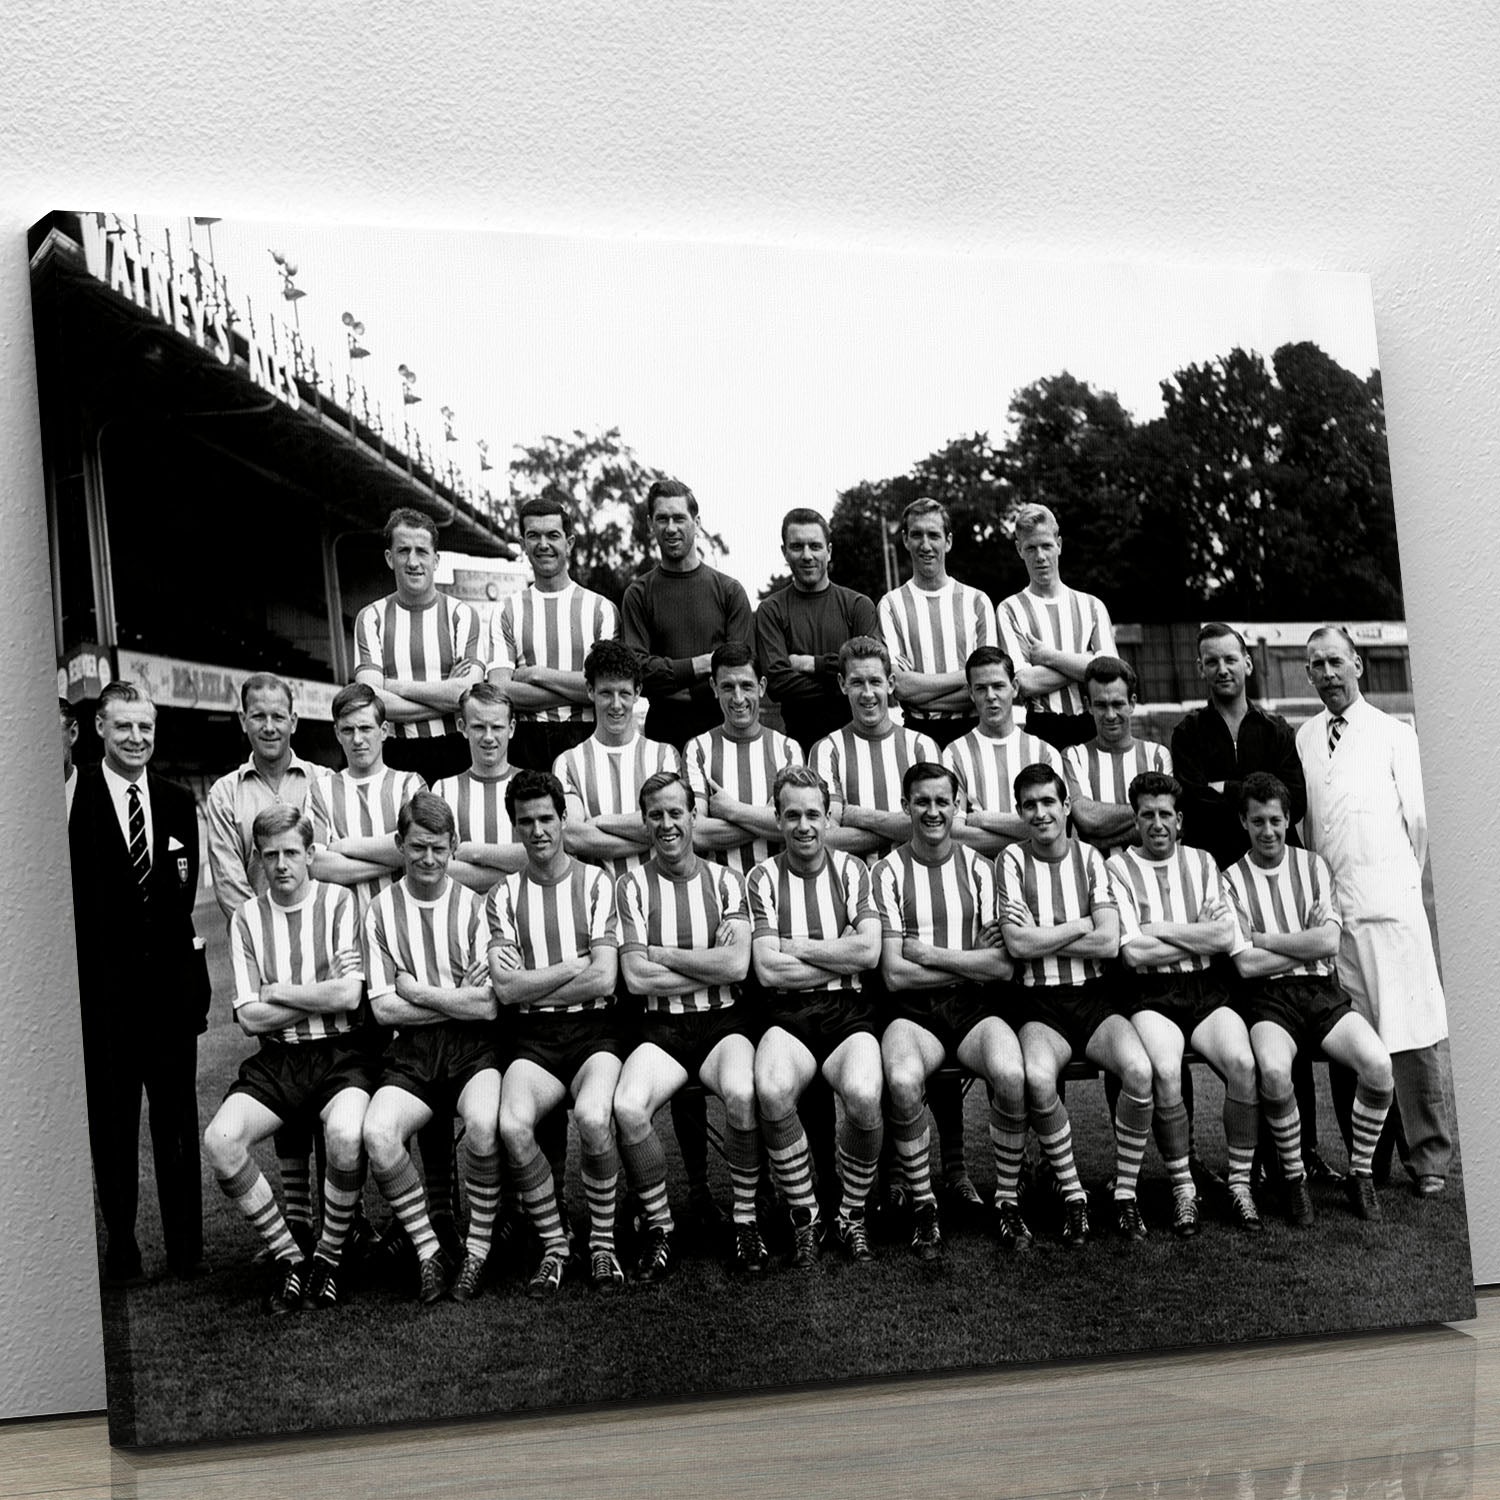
column 1338, row 540
column 965, row 475
column 1072, row 449
column 1282, row 484
column 603, row 484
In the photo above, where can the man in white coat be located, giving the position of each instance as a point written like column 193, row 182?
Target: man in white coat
column 1366, row 817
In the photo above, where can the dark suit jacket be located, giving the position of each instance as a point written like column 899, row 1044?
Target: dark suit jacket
column 138, row 968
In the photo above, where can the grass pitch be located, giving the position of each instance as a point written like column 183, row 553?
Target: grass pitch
column 201, row 1360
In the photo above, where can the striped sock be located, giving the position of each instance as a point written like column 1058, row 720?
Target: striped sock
column 403, row 1191
column 791, row 1161
column 742, row 1152
column 1241, row 1130
column 646, row 1170
column 1056, row 1136
column 1285, row 1120
column 1132, row 1126
column 1170, row 1127
column 912, row 1139
column 1008, row 1140
column 482, row 1183
column 341, row 1190
column 601, row 1177
column 539, row 1197
column 1370, row 1109
column 296, row 1188
column 859, row 1164
column 249, row 1191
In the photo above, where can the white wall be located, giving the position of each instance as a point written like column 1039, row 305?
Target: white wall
column 1363, row 140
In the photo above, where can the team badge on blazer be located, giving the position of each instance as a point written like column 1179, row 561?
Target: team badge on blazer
column 182, row 861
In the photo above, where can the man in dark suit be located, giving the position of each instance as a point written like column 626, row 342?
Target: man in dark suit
column 133, row 841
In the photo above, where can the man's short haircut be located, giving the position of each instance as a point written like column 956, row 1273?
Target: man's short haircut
column 1039, row 773
column 670, row 489
column 660, row 782
column 613, row 661
column 1262, row 786
column 487, row 692
column 1154, row 784
column 1337, row 630
column 68, row 712
column 863, row 648
column 1035, row 517
column 272, row 822
column 528, row 785
column 731, row 654
column 413, row 520
column 927, row 770
column 988, row 656
column 803, row 515
column 543, row 505
column 356, row 696
column 260, row 681
column 1215, row 630
column 926, row 506
column 1109, row 669
column 122, row 690
column 797, row 776
column 427, row 811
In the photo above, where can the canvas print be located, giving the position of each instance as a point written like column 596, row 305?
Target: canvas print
column 658, row 819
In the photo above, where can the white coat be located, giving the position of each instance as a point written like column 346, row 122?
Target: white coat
column 1367, row 818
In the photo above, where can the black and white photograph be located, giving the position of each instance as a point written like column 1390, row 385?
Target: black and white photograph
column 654, row 819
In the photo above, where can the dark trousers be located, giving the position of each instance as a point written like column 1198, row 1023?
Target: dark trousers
column 940, row 730
column 118, row 1068
column 432, row 759
column 1061, row 731
column 535, row 746
column 674, row 722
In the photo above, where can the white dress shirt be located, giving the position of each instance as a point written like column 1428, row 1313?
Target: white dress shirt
column 119, row 794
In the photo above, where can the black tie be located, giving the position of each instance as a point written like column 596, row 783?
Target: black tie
column 140, row 855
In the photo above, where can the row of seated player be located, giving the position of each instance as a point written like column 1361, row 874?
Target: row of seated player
column 946, row 927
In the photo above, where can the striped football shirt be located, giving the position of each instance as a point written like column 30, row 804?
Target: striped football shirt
column 601, row 779
column 1105, row 775
column 1167, row 890
column 745, row 769
column 436, row 942
column 659, row 911
column 1054, row 892
column 418, row 645
column 342, row 806
column 934, row 631
column 1066, row 621
column 556, row 630
column 478, row 807
column 944, row 904
column 316, row 940
column 823, row 906
column 986, row 766
column 550, row 921
column 1297, row 896
column 868, row 772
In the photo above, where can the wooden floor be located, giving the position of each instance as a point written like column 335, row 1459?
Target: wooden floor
column 1411, row 1415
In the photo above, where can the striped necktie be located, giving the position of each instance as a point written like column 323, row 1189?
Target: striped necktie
column 140, row 855
column 1335, row 730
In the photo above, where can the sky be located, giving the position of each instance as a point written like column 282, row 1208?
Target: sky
column 763, row 376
